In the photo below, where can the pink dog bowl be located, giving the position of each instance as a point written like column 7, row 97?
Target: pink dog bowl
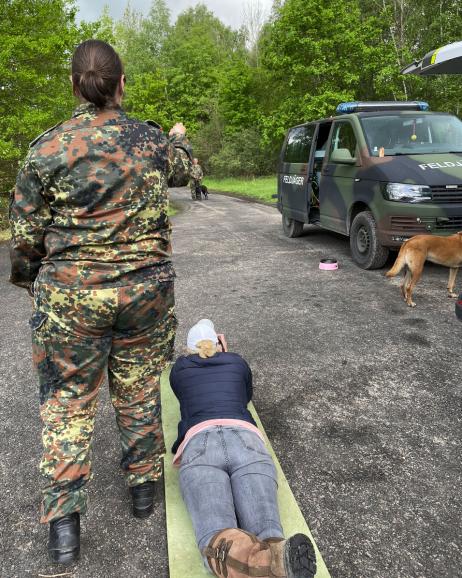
column 328, row 264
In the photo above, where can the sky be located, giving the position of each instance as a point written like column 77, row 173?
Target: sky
column 230, row 12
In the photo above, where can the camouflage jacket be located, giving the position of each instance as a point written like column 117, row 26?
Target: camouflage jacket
column 196, row 173
column 90, row 203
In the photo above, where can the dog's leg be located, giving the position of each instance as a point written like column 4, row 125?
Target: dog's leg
column 452, row 281
column 415, row 265
column 405, row 283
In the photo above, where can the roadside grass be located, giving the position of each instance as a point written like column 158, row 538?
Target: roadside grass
column 172, row 209
column 260, row 187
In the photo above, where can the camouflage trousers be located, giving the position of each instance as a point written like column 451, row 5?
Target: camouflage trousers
column 193, row 184
column 77, row 334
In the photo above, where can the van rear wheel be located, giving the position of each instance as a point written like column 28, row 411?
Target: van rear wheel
column 364, row 244
column 291, row 227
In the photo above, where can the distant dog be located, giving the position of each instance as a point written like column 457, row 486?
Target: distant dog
column 445, row 251
column 201, row 190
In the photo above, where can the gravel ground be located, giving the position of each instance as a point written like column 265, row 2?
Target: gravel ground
column 360, row 397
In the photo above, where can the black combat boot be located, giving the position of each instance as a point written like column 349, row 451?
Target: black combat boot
column 143, row 499
column 64, row 541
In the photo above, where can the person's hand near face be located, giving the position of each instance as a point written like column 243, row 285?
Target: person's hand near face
column 222, row 344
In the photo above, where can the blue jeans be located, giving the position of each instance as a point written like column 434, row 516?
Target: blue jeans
column 228, row 480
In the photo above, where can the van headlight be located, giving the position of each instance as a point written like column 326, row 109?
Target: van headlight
column 407, row 193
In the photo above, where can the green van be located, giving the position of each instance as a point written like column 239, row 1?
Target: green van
column 378, row 172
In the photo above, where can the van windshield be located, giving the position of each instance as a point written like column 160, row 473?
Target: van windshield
column 391, row 135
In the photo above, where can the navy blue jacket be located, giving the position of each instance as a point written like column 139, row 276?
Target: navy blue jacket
column 219, row 387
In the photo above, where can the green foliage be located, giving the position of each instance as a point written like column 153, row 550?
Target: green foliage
column 208, row 138
column 37, row 41
column 241, row 154
column 321, row 52
column 237, row 101
column 140, row 40
column 4, row 202
column 197, row 53
column 103, row 29
column 147, row 97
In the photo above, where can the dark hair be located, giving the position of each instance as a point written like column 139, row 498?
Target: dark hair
column 96, row 72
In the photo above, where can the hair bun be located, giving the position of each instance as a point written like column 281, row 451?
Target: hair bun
column 96, row 72
column 87, row 74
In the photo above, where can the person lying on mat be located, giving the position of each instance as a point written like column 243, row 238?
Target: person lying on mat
column 227, row 477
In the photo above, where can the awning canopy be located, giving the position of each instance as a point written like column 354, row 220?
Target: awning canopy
column 445, row 60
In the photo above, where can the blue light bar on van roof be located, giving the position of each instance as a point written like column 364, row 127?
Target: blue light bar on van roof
column 348, row 107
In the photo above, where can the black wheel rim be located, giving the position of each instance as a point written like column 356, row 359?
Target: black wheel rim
column 363, row 240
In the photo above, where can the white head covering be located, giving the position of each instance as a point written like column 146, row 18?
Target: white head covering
column 203, row 329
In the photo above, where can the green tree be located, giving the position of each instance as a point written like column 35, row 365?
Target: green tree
column 38, row 38
column 146, row 97
column 410, row 29
column 102, row 29
column 156, row 29
column 317, row 53
column 197, row 52
column 237, row 101
column 140, row 40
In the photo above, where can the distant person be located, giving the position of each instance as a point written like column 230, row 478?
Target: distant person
column 195, row 182
column 227, row 477
column 91, row 243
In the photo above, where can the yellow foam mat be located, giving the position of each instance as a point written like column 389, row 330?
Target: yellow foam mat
column 183, row 554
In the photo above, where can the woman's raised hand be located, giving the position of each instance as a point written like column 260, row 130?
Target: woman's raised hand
column 178, row 128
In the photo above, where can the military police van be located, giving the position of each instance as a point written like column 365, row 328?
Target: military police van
column 379, row 172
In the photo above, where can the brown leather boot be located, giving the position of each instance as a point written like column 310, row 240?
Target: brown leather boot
column 233, row 553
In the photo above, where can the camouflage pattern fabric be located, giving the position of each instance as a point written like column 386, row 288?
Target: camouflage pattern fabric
column 196, row 178
column 90, row 204
column 182, row 163
column 90, row 233
column 76, row 334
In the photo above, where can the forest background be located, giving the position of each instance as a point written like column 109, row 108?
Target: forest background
column 237, row 91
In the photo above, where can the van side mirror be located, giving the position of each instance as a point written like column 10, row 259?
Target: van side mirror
column 342, row 156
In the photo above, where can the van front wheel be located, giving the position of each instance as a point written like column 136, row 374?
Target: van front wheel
column 291, row 227
column 365, row 247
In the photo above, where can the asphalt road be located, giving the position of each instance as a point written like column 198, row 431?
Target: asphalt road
column 360, row 397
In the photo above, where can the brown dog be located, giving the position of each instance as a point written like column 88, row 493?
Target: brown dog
column 445, row 251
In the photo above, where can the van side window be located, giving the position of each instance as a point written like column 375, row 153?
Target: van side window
column 344, row 138
column 299, row 144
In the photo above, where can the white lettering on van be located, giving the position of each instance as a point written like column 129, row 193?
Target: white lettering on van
column 293, row 180
column 447, row 164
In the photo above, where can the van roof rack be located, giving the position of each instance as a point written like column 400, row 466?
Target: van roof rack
column 373, row 106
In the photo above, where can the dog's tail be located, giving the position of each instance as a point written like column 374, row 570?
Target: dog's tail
column 399, row 263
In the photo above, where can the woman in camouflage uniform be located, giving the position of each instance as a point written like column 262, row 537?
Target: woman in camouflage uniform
column 91, row 242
